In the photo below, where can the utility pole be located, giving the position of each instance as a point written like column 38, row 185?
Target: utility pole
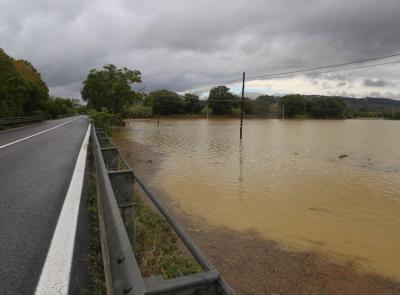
column 283, row 111
column 207, row 109
column 392, row 113
column 158, row 110
column 242, row 107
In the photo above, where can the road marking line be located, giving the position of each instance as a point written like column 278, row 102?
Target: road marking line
column 56, row 271
column 36, row 134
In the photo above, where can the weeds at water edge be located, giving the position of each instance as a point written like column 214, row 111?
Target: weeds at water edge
column 156, row 248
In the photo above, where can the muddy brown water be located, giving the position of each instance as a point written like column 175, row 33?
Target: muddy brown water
column 287, row 181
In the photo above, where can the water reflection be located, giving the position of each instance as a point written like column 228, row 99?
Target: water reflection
column 241, row 164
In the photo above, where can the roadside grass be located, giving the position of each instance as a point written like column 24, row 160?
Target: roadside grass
column 156, row 247
column 95, row 260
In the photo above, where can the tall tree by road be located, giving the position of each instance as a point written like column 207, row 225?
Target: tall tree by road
column 110, row 88
column 22, row 91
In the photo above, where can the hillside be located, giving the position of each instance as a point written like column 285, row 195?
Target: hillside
column 371, row 103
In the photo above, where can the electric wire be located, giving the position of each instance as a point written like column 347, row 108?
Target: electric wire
column 305, row 71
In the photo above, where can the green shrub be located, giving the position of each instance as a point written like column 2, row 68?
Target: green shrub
column 140, row 111
column 204, row 111
column 103, row 120
column 236, row 111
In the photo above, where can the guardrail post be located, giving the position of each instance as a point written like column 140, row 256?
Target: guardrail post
column 101, row 134
column 104, row 141
column 121, row 182
column 110, row 155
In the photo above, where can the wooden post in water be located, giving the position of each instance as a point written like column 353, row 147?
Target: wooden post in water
column 242, row 107
column 158, row 110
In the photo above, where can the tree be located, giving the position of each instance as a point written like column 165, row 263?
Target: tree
column 110, row 88
column 168, row 102
column 326, row 107
column 222, row 101
column 10, row 94
column 260, row 106
column 36, row 91
column 59, row 107
column 22, row 91
column 294, row 105
column 192, row 103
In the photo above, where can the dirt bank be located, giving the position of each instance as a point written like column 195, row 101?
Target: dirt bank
column 253, row 265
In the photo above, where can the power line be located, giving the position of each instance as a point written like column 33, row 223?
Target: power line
column 283, row 74
column 327, row 66
column 199, row 90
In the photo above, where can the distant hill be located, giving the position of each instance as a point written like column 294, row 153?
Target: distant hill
column 320, row 106
column 372, row 104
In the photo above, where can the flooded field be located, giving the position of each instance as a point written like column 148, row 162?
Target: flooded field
column 330, row 186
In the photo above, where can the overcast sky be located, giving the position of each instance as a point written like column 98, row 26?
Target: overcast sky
column 186, row 44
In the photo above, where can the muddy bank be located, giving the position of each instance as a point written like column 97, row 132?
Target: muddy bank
column 253, row 265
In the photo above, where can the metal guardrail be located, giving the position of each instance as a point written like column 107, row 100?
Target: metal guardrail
column 114, row 189
column 19, row 120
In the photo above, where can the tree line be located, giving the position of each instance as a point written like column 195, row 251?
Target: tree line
column 24, row 93
column 110, row 90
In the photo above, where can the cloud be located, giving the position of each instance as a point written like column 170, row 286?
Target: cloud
column 375, row 83
column 181, row 44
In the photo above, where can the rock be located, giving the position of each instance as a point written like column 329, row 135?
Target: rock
column 149, row 161
column 343, row 156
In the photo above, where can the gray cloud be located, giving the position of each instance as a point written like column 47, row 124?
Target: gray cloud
column 181, row 44
column 375, row 83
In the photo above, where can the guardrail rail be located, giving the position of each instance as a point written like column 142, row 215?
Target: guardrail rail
column 19, row 120
column 123, row 276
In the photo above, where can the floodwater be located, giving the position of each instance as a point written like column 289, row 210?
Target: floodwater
column 287, row 182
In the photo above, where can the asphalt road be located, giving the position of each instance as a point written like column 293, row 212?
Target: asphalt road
column 34, row 179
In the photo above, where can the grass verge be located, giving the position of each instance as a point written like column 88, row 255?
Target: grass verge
column 95, row 260
column 156, row 247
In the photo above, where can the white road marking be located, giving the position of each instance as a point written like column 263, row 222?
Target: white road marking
column 55, row 275
column 36, row 134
